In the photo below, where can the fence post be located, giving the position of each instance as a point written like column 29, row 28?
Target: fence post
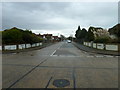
column 91, row 44
column 3, row 47
column 104, row 45
column 96, row 45
column 17, row 46
column 25, row 46
column 118, row 48
column 87, row 43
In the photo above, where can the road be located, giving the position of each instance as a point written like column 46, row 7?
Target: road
column 40, row 68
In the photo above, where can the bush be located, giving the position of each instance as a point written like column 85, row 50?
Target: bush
column 102, row 40
column 18, row 36
column 115, row 40
column 11, row 36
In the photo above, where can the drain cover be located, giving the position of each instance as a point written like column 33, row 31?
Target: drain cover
column 61, row 83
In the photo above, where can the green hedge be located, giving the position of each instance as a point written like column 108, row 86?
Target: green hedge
column 18, row 36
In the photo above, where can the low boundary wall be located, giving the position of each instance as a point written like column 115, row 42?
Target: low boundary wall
column 102, row 46
column 20, row 46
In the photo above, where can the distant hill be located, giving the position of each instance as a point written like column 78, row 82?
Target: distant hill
column 115, row 30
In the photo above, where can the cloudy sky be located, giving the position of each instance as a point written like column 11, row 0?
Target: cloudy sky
column 58, row 17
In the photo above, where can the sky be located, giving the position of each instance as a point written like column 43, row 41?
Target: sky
column 58, row 17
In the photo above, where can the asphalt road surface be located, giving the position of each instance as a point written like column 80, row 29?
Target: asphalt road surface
column 41, row 68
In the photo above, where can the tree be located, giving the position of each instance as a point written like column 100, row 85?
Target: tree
column 78, row 31
column 18, row 36
column 70, row 38
column 90, row 35
column 29, row 37
column 11, row 36
column 83, row 34
column 115, row 30
column 102, row 40
column 62, row 37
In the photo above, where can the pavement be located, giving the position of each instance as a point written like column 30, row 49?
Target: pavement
column 93, row 50
column 61, row 65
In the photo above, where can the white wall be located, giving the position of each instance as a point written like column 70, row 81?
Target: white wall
column 94, row 45
column 21, row 46
column 10, row 47
column 0, row 47
column 101, row 46
column 112, row 47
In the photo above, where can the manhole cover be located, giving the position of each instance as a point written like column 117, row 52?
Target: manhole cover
column 61, row 83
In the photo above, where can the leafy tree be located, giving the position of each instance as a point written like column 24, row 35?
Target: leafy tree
column 102, row 40
column 11, row 36
column 70, row 38
column 90, row 35
column 115, row 30
column 83, row 33
column 17, row 36
column 78, row 31
column 62, row 37
column 27, row 37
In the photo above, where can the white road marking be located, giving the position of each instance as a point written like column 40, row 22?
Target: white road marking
column 116, row 56
column 65, row 56
column 53, row 53
column 108, row 56
column 82, row 56
column 55, row 50
column 99, row 56
column 90, row 56
column 58, row 48
column 14, row 53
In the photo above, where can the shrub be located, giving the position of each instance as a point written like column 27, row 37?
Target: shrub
column 18, row 36
column 102, row 40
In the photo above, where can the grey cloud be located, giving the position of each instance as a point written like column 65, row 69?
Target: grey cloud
column 59, row 15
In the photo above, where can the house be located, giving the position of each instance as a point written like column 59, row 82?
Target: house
column 55, row 38
column 49, row 37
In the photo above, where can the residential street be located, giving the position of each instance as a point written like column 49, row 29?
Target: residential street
column 39, row 68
